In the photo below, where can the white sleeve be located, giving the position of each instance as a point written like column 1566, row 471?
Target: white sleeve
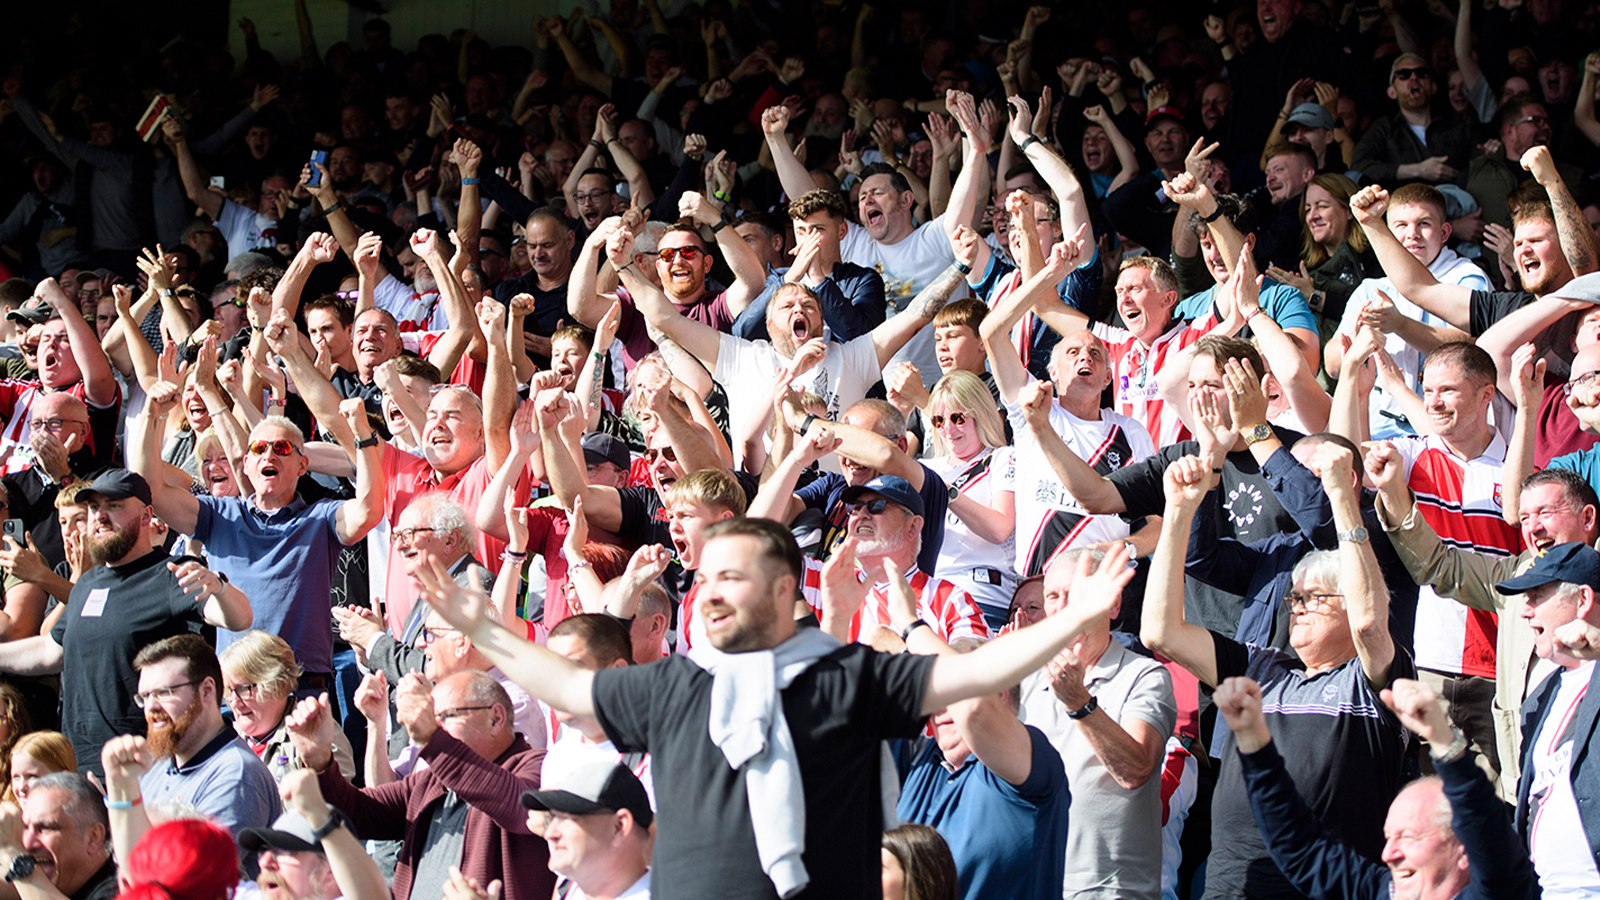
column 1003, row 472
column 1409, row 448
column 391, row 295
column 1352, row 307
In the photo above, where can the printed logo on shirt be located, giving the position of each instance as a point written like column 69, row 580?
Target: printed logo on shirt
column 1245, row 504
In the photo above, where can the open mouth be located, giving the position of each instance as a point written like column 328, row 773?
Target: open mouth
column 1085, row 371
column 1131, row 315
column 50, row 360
column 680, row 545
column 269, row 471
column 801, row 329
column 874, row 217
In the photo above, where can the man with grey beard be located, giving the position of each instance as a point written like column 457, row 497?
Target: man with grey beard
column 137, row 595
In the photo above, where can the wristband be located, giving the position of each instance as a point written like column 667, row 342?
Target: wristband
column 274, row 401
column 336, row 821
column 580, row 564
column 726, row 221
column 469, row 180
column 1086, row 710
column 724, row 196
column 598, row 355
column 595, row 143
column 168, row 292
column 518, row 555
column 625, row 267
column 610, row 141
column 123, row 804
column 805, row 424
column 330, row 210
column 963, row 268
column 1032, row 139
column 370, row 440
column 1215, row 215
column 913, row 627
column 1251, row 315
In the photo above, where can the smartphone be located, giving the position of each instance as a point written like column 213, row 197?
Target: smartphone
column 318, row 158
column 219, row 182
column 13, row 529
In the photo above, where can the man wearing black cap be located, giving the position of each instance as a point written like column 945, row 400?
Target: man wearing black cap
column 1560, row 779
column 310, row 853
column 1138, row 209
column 596, row 821
column 137, row 596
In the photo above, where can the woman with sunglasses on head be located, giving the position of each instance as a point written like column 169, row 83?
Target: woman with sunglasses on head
column 979, row 548
column 259, row 676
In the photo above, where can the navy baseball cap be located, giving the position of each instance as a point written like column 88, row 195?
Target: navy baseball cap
column 120, row 484
column 889, row 487
column 1573, row 563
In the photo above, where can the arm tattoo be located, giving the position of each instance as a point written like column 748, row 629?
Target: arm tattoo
column 1577, row 238
column 932, row 298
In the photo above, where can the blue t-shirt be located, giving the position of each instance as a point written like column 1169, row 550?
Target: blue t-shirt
column 1584, row 462
column 284, row 562
column 1286, row 305
column 825, row 495
column 226, row 782
column 1008, row 840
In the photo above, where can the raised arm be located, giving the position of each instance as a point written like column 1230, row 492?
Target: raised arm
column 792, row 174
column 568, row 479
column 189, row 171
column 584, row 300
column 1451, row 302
column 1093, row 491
column 995, row 329
column 1528, row 389
column 1050, row 166
column 361, row 513
column 1522, row 326
column 175, row 505
column 99, row 383
column 1163, row 627
column 868, row 448
column 895, row 331
column 1578, row 242
column 750, row 277
column 638, row 183
column 314, row 387
column 1366, row 598
column 701, row 340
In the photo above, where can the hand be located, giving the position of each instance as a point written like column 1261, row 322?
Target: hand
column 1498, row 239
column 577, row 530
column 1198, row 161
column 1247, row 394
column 1035, row 399
column 1037, row 15
column 1300, row 282
column 358, row 626
column 694, row 146
column 323, row 189
column 1421, row 711
column 1216, row 29
column 23, row 563
column 775, row 121
column 1157, row 96
column 460, row 887
column 694, row 205
column 1538, row 161
column 1369, row 204
column 719, row 90
column 1187, row 191
column 125, row 760
column 605, row 123
column 157, row 268
column 311, row 729
column 1527, row 385
column 467, row 156
column 1097, row 115
column 1386, row 470
column 1066, row 679
column 1216, row 439
column 1018, row 127
column 1328, row 97
column 902, row 599
column 1186, row 482
column 197, row 580
column 1141, row 70
column 1096, row 593
column 793, row 68
column 1239, row 701
column 51, row 453
column 160, row 399
column 965, row 245
column 1334, row 465
column 806, row 356
column 1381, row 314
column 906, row 381
column 843, row 593
column 646, row 565
column 817, row 443
column 301, row 793
column 263, row 95
column 1436, row 169
column 413, row 707
column 1110, row 82
column 1468, row 228
column 619, row 249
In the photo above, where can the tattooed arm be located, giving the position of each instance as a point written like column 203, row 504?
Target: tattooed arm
column 889, row 337
column 1577, row 238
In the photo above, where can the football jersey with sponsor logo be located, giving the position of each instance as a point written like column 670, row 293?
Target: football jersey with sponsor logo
column 1049, row 520
column 1134, row 368
column 1460, row 499
column 981, row 568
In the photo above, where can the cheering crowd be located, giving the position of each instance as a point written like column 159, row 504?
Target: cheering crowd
column 1133, row 452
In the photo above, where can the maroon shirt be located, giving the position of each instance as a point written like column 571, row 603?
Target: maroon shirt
column 636, row 343
column 1557, row 431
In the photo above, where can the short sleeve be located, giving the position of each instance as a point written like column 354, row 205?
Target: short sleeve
column 1489, row 307
column 1003, row 471
column 1139, row 484
column 636, row 513
column 205, row 518
column 1233, row 658
column 1048, row 776
column 1081, row 288
column 625, row 699
column 1289, row 308
column 234, row 221
column 899, row 681
column 815, row 495
column 998, row 269
column 1152, row 702
column 1583, row 462
column 861, row 361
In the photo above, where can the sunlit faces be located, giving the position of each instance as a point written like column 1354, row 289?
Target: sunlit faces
column 794, row 316
column 1588, row 332
column 856, row 474
column 293, row 875
column 1327, row 625
column 663, row 460
column 420, row 390
column 1168, row 141
column 745, row 600
column 1215, row 101
column 1327, row 218
column 194, row 407
column 1047, row 226
column 1080, row 363
column 549, row 247
column 327, row 332
column 1205, row 378
column 1144, row 306
column 567, row 356
column 883, row 210
column 1413, row 86
column 1549, row 517
column 1422, row 856
column 113, row 526
column 1098, row 156
column 256, row 711
column 958, row 348
column 1421, row 229
column 273, row 474
column 375, row 338
column 216, row 474
column 958, row 428
column 1549, row 607
column 597, row 199
column 1287, row 174
column 172, row 702
column 1457, row 404
column 686, row 526
column 768, row 247
column 68, row 853
column 889, row 532
column 452, row 436
column 1537, row 250
column 682, row 278
column 25, row 770
column 58, row 367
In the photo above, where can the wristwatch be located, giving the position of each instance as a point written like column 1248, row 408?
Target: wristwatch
column 1453, row 750
column 370, row 440
column 1133, row 550
column 1258, row 434
column 1357, row 535
column 954, row 493
column 336, row 820
column 21, row 867
column 1086, row 710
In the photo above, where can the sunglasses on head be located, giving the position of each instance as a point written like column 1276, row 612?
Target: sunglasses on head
column 1408, row 74
column 956, row 419
column 278, row 448
column 668, row 254
column 874, row 506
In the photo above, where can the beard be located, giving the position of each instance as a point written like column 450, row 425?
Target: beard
column 881, row 544
column 119, row 544
column 164, row 742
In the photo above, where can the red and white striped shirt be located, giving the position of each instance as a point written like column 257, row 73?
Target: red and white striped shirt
column 950, row 611
column 692, row 631
column 1135, row 366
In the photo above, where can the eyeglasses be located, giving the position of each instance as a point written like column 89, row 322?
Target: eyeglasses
column 873, row 507
column 279, row 448
column 666, row 453
column 1408, row 74
column 668, row 254
column 489, row 251
column 1537, row 120
column 1308, row 602
column 246, row 692
column 348, row 295
column 53, row 425
column 956, row 419
column 592, row 195
column 459, row 712
column 1586, row 378
column 407, row 535
column 430, row 634
column 449, row 386
column 159, row 695
column 239, row 302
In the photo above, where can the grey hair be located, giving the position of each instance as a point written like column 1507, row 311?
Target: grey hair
column 84, row 804
column 284, row 422
column 482, row 689
column 443, row 514
column 247, row 262
column 1321, row 566
column 648, row 241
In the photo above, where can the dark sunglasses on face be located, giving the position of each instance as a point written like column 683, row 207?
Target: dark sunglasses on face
column 668, row 254
column 279, row 448
column 1408, row 74
column 873, row 507
column 666, row 453
column 956, row 419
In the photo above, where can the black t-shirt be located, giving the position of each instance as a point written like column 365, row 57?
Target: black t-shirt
column 1489, row 307
column 838, row 711
column 102, row 885
column 111, row 615
column 349, row 384
column 1246, row 508
column 1342, row 746
column 549, row 307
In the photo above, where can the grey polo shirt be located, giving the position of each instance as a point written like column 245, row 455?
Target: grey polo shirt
column 1114, row 836
column 225, row 782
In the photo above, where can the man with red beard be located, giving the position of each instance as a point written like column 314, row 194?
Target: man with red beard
column 127, row 601
column 69, row 358
column 192, row 756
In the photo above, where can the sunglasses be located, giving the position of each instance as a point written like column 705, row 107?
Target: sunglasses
column 873, row 507
column 279, row 448
column 1408, row 74
column 348, row 295
column 668, row 254
column 666, row 453
column 956, row 419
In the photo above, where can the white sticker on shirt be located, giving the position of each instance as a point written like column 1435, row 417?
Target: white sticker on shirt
column 95, row 606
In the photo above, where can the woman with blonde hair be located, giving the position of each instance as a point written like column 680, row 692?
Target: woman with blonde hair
column 1334, row 253
column 969, row 451
column 259, row 677
column 35, row 755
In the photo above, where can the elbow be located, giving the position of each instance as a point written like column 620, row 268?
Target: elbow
column 1132, row 781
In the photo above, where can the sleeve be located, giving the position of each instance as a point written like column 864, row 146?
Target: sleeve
column 998, row 269
column 1289, row 309
column 1301, row 494
column 1131, row 210
column 244, row 796
column 1497, row 855
column 898, row 683
column 393, row 658
column 30, row 120
column 378, row 813
column 1047, row 778
column 1139, row 484
column 1152, row 701
column 491, row 789
column 1233, row 658
column 1462, row 575
column 1489, row 307
column 1314, row 863
column 1081, row 288
column 1222, row 562
column 815, row 495
column 852, row 301
column 626, row 700
column 635, row 514
column 214, row 143
column 1003, row 472
column 1371, row 158
column 504, row 193
column 861, row 362
column 205, row 518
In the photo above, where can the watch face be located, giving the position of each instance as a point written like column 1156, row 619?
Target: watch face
column 954, row 493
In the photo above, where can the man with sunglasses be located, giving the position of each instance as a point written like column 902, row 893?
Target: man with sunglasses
column 1413, row 145
column 1523, row 123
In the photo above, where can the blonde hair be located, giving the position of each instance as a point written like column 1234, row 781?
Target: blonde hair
column 264, row 660
column 964, row 392
column 49, row 747
column 711, row 488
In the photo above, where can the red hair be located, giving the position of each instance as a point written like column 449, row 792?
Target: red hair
column 185, row 859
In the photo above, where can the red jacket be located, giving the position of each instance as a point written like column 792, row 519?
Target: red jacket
column 497, row 843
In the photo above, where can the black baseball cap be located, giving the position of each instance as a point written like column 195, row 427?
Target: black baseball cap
column 599, row 447
column 1573, row 563
column 33, row 312
column 120, row 484
column 593, row 788
column 890, row 487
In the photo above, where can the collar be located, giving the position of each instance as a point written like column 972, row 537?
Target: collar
column 150, row 560
column 293, row 508
column 1106, row 667
column 223, row 738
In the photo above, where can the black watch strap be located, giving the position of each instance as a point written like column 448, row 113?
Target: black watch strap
column 370, row 440
column 1086, row 710
column 336, row 820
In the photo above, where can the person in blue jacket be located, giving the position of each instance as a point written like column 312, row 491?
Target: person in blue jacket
column 1477, row 856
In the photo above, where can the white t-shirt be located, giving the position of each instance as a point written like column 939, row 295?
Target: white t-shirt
column 1447, row 268
column 245, row 229
column 639, row 890
column 906, row 266
column 749, row 369
column 1556, row 839
column 982, row 480
column 1049, row 519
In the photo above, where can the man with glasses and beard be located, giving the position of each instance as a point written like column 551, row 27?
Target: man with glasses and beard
column 192, row 756
column 137, row 595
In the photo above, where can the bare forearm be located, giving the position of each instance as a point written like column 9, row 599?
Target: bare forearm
column 551, row 678
column 1129, row 762
column 1093, row 491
